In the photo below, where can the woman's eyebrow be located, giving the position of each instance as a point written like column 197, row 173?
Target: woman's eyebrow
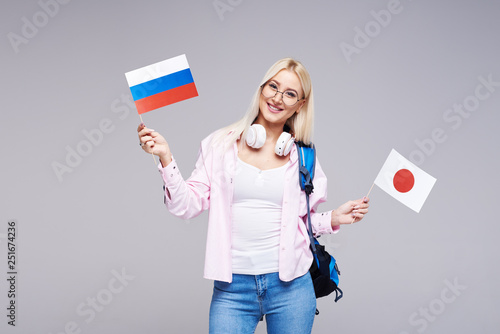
column 276, row 81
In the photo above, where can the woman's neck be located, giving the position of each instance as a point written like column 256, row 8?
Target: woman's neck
column 273, row 131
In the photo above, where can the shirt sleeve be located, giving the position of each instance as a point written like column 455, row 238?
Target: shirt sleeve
column 186, row 198
column 321, row 221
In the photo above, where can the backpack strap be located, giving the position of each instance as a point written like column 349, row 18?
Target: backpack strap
column 307, row 164
column 307, row 160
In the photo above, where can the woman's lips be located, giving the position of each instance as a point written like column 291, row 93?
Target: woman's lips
column 273, row 108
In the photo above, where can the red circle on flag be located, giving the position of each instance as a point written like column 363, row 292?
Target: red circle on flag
column 403, row 180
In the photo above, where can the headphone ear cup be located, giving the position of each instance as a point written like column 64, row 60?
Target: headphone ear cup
column 256, row 136
column 289, row 145
column 284, row 144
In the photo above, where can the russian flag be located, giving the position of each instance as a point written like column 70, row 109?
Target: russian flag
column 160, row 84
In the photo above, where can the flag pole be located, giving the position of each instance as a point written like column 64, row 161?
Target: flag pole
column 369, row 191
column 177, row 88
column 154, row 160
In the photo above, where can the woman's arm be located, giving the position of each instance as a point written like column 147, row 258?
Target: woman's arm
column 154, row 143
column 350, row 212
column 183, row 198
column 344, row 214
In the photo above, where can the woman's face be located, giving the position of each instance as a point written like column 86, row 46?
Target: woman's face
column 273, row 109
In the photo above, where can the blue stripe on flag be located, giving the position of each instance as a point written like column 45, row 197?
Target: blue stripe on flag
column 161, row 84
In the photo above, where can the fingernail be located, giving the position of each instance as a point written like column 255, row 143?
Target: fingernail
column 365, row 199
column 356, row 207
column 142, row 124
column 352, row 214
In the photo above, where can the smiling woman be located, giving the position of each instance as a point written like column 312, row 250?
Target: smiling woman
column 285, row 75
column 257, row 249
column 281, row 105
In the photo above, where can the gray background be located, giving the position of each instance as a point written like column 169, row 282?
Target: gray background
column 107, row 213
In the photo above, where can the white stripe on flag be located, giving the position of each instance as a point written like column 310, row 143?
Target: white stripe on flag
column 157, row 70
column 415, row 194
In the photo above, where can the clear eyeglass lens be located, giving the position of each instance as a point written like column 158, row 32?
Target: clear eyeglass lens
column 289, row 96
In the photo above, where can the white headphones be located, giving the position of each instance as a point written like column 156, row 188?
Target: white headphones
column 256, row 137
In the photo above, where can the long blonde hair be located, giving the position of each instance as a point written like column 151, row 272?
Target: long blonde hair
column 301, row 124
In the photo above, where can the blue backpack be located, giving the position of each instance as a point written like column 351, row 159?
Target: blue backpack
column 324, row 271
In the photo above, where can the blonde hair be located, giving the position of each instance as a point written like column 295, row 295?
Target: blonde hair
column 300, row 124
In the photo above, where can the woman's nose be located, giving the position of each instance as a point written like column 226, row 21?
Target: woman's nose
column 278, row 97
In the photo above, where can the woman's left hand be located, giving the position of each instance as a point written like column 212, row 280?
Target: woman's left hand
column 350, row 212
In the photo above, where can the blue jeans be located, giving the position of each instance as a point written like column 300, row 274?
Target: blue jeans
column 237, row 307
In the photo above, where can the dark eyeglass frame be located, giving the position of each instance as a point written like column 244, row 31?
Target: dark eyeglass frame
column 282, row 95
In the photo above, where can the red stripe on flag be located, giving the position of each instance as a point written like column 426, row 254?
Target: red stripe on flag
column 165, row 98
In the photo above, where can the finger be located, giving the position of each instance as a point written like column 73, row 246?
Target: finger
column 357, row 215
column 358, row 211
column 352, row 204
column 360, row 201
column 145, row 131
column 363, row 200
column 361, row 206
column 140, row 127
column 145, row 138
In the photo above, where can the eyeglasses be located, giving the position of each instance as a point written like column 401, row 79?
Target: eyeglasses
column 289, row 97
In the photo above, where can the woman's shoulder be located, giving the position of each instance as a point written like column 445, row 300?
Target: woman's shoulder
column 220, row 138
column 217, row 133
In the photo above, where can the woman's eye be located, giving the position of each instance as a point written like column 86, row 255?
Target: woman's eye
column 291, row 94
column 273, row 86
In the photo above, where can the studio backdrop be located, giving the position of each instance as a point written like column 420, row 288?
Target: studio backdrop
column 86, row 244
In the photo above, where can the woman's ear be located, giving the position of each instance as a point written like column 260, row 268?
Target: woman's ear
column 300, row 106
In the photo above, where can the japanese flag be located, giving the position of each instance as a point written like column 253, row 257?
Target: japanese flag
column 404, row 181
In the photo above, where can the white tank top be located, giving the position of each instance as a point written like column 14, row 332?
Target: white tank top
column 256, row 213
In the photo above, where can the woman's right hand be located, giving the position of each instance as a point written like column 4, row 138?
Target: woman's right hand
column 154, row 143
